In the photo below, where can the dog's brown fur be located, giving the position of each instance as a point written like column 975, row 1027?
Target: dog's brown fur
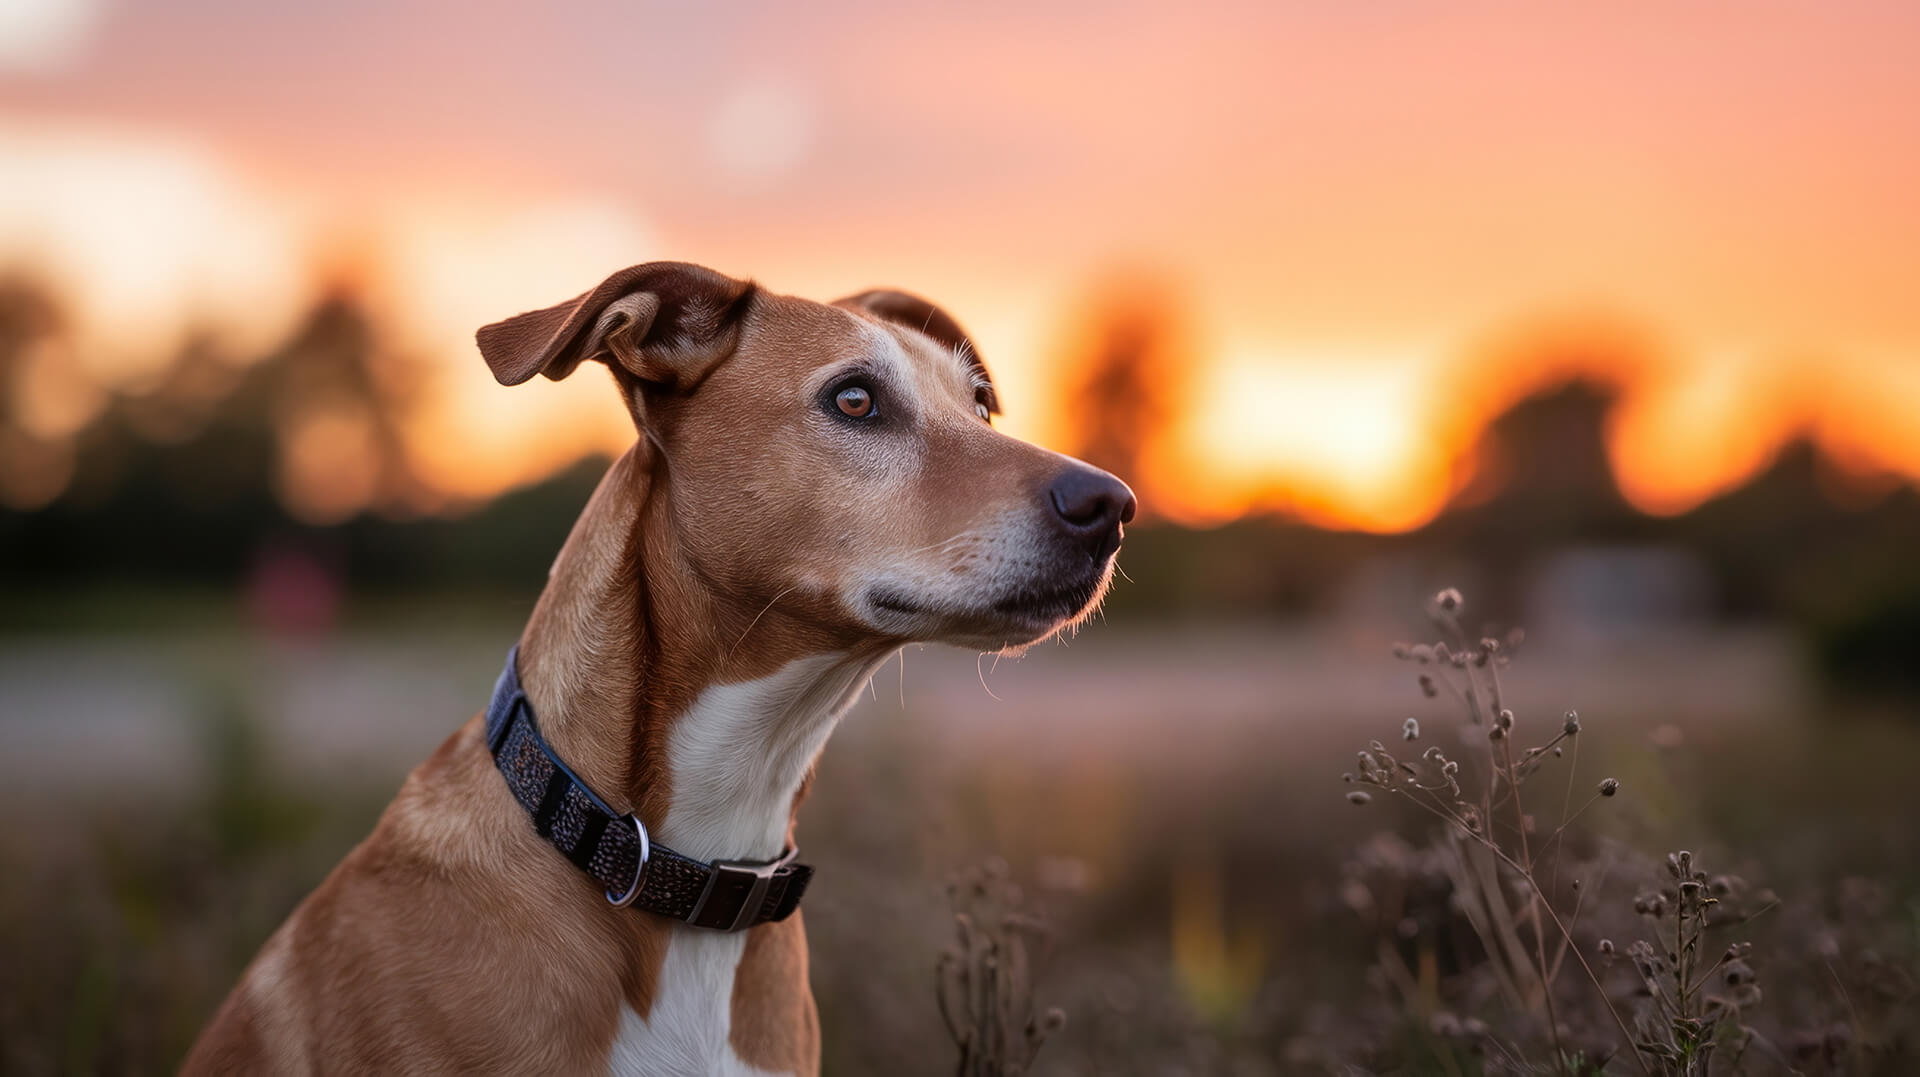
column 454, row 939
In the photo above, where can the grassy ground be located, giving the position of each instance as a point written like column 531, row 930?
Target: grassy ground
column 1216, row 905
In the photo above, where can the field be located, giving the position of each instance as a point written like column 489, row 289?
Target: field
column 1167, row 796
column 1602, row 314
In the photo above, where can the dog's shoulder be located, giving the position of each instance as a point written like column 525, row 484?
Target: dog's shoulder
column 429, row 947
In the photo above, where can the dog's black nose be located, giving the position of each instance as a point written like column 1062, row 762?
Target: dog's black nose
column 1090, row 505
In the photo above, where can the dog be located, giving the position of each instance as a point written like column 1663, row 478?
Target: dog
column 813, row 486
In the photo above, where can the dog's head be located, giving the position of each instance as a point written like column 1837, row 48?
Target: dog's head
column 839, row 462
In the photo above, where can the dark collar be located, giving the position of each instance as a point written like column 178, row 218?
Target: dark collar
column 726, row 895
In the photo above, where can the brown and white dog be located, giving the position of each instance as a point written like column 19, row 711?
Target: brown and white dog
column 813, row 487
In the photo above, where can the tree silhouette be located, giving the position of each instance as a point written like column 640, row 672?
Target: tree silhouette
column 1542, row 465
column 33, row 468
column 1131, row 346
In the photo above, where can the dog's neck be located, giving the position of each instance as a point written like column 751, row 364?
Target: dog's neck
column 698, row 714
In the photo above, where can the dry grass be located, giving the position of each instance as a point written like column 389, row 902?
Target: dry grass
column 984, row 981
column 1213, row 907
column 1692, row 1004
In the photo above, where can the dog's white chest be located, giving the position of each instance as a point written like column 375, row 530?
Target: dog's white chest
column 687, row 1028
column 737, row 755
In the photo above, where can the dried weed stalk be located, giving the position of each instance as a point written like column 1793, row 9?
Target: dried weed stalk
column 1694, row 1010
column 984, row 981
column 1495, row 859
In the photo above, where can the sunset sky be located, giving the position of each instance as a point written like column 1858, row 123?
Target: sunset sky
column 1363, row 206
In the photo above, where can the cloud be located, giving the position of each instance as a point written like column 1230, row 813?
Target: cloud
column 145, row 239
column 43, row 36
column 759, row 132
column 440, row 272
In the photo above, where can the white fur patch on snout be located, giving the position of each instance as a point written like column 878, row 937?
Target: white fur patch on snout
column 951, row 589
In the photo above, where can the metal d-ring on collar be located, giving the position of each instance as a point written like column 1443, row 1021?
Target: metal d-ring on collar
column 639, row 867
column 631, row 869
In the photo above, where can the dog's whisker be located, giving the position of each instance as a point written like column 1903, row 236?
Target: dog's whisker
column 983, row 676
column 942, row 544
column 903, row 677
column 755, row 621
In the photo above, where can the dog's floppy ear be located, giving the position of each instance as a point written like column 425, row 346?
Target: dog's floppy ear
column 914, row 313
column 664, row 323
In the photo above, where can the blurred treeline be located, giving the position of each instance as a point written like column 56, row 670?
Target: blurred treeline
column 185, row 484
column 1791, row 545
column 198, row 478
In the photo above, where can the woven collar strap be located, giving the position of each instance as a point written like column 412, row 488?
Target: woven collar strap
column 726, row 895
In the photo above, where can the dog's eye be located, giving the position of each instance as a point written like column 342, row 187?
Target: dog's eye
column 854, row 401
column 982, row 407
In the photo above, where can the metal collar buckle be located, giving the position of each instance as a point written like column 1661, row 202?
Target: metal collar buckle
column 745, row 881
column 639, row 867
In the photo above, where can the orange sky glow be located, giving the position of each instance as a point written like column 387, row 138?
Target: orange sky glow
column 1379, row 216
